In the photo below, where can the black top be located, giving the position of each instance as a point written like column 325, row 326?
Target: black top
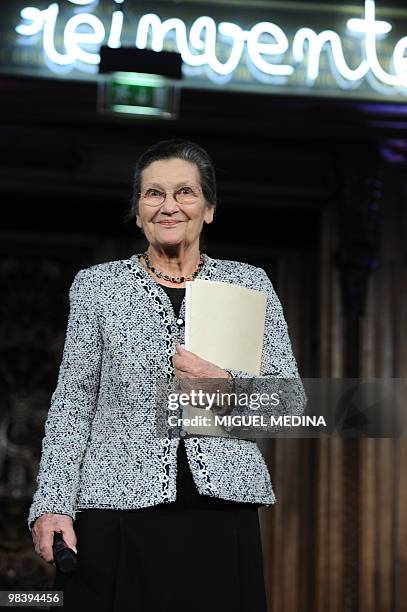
column 176, row 295
column 187, row 493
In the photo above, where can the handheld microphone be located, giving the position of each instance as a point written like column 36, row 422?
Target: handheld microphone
column 64, row 557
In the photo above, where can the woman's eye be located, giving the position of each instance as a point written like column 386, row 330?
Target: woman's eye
column 153, row 192
column 185, row 190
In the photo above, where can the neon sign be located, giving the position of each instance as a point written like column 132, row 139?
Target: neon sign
column 272, row 54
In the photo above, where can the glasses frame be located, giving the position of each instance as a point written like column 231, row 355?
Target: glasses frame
column 165, row 194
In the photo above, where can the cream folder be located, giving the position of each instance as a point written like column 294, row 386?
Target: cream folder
column 224, row 324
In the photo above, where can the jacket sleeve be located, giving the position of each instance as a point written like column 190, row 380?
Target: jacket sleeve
column 278, row 360
column 73, row 403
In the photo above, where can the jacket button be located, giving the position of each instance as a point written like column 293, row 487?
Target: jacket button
column 183, row 433
column 180, row 321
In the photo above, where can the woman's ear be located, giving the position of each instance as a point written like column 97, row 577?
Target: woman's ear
column 209, row 212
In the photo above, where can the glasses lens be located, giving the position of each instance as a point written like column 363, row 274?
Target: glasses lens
column 186, row 195
column 153, row 197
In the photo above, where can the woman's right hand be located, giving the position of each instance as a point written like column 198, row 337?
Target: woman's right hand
column 43, row 533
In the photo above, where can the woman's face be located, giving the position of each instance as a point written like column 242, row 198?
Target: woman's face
column 172, row 224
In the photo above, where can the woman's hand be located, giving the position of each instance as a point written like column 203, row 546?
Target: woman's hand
column 43, row 533
column 189, row 365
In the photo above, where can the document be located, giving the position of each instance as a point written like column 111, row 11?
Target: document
column 224, row 324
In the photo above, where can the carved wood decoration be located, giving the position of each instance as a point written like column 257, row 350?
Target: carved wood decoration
column 34, row 283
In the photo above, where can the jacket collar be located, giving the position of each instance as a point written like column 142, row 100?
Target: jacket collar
column 160, row 299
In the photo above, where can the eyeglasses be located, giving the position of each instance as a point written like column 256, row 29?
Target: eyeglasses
column 183, row 195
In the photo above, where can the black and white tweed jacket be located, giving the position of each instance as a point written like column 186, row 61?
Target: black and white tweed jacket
column 100, row 448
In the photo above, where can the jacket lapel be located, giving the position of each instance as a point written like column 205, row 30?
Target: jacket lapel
column 162, row 303
column 159, row 299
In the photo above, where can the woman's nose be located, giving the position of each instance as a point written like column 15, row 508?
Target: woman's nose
column 170, row 204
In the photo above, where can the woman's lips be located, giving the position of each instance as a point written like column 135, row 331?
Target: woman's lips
column 169, row 223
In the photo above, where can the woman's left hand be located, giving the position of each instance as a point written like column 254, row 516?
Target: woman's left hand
column 189, row 365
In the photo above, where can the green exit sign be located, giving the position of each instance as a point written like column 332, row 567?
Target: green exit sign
column 138, row 94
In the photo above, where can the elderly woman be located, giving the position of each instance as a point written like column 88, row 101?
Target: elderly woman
column 158, row 523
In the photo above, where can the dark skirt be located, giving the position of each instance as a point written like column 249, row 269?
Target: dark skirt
column 196, row 553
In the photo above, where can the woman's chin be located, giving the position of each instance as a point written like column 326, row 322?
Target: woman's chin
column 170, row 240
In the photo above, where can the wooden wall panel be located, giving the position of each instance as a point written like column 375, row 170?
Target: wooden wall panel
column 363, row 480
column 401, row 529
column 368, row 525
